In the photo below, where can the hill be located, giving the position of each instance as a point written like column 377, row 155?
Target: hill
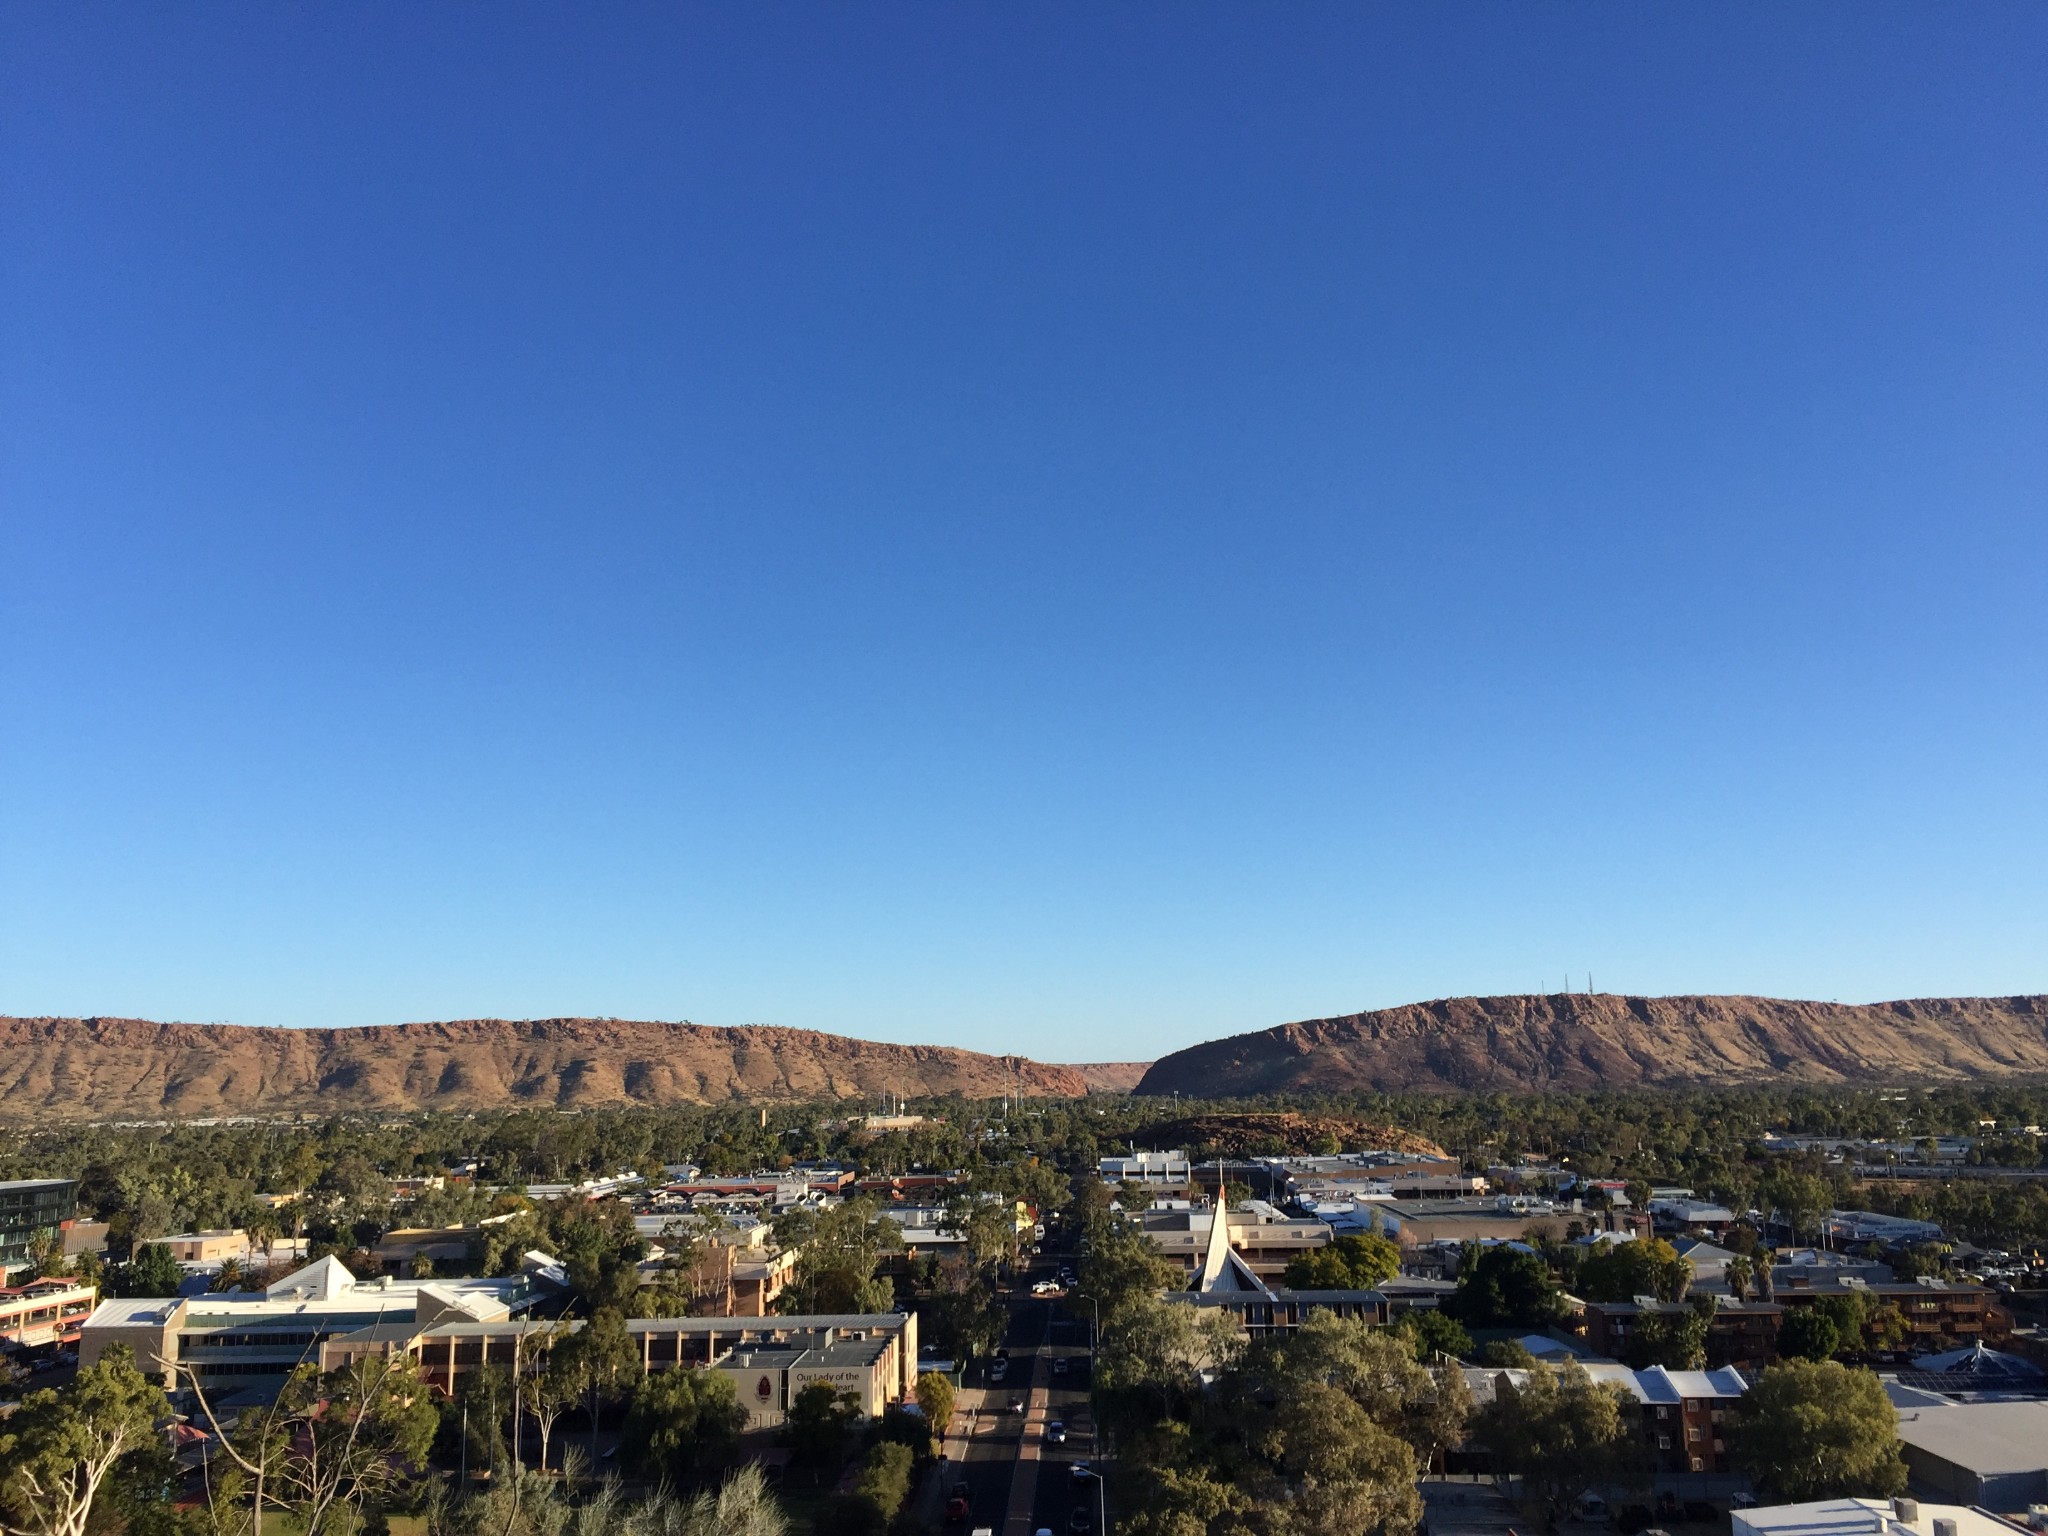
column 102, row 1068
column 1569, row 1041
column 1111, row 1076
column 1272, row 1135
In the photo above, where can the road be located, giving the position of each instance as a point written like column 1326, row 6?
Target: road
column 1018, row 1483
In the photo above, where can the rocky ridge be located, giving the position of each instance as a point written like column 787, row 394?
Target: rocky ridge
column 1573, row 1041
column 100, row 1068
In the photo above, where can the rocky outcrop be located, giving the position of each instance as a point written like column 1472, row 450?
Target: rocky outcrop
column 1569, row 1041
column 101, row 1068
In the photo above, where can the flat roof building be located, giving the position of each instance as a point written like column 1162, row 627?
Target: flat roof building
column 33, row 1213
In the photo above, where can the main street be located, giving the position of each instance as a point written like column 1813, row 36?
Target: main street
column 1017, row 1482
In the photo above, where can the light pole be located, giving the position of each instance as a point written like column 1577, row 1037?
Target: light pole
column 1101, row 1503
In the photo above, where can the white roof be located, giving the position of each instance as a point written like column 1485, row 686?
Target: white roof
column 1656, row 1385
column 322, row 1280
column 130, row 1310
column 1862, row 1517
column 1985, row 1438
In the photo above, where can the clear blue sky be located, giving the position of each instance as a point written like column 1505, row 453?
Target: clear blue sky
column 1072, row 529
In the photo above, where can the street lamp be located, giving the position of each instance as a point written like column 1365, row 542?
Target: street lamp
column 1101, row 1501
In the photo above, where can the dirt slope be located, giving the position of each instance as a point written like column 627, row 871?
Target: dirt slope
column 1578, row 1042
column 1111, row 1076
column 78, row 1068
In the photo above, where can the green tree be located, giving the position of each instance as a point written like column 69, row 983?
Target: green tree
column 1675, row 1340
column 839, row 1251
column 1818, row 1430
column 151, row 1272
column 744, row 1506
column 58, row 1450
column 682, row 1423
column 1622, row 1271
column 1560, row 1434
column 599, row 1358
column 884, row 1479
column 1353, row 1262
column 935, row 1398
column 1807, row 1333
column 1503, row 1287
column 1430, row 1332
column 819, row 1424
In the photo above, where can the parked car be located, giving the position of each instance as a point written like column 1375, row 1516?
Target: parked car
column 1059, row 1365
column 956, row 1503
column 998, row 1368
column 1080, row 1471
column 1055, row 1433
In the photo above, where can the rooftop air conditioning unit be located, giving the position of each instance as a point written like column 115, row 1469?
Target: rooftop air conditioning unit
column 1944, row 1528
column 1906, row 1511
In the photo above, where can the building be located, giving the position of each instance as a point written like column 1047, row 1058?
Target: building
column 1169, row 1169
column 405, row 1250
column 770, row 1360
column 237, row 1342
column 1502, row 1218
column 1707, row 1261
column 1938, row 1314
column 1681, row 1213
column 211, row 1247
column 44, row 1314
column 1801, row 1269
column 1225, row 1279
column 1741, row 1333
column 1991, row 1454
column 1264, row 1240
column 33, row 1215
column 1868, row 1517
column 1854, row 1227
column 1681, row 1414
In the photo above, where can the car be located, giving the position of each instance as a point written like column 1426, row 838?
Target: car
column 1059, row 1365
column 1080, row 1471
column 1015, row 1405
column 1055, row 1433
column 1080, row 1522
column 956, row 1503
column 998, row 1368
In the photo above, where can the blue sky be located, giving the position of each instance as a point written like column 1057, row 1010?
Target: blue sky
column 1065, row 529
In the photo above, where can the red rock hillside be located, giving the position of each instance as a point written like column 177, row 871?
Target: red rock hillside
column 1474, row 1044
column 100, row 1068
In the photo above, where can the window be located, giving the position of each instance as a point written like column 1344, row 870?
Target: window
column 1698, row 1465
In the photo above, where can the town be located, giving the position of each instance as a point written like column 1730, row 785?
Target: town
column 979, row 1317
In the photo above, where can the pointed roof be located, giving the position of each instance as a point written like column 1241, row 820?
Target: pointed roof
column 322, row 1280
column 1222, row 1269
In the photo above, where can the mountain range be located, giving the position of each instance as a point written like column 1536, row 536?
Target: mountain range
column 102, row 1068
column 1579, row 1041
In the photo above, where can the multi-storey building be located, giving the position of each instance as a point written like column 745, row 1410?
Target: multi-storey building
column 234, row 1342
column 33, row 1214
column 1937, row 1314
column 1681, row 1414
column 1741, row 1333
column 44, row 1314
